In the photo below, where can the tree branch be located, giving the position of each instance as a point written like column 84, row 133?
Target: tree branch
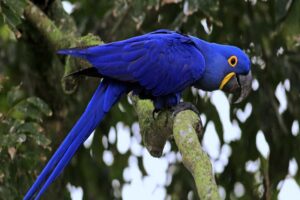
column 59, row 38
column 154, row 132
column 186, row 127
column 46, row 27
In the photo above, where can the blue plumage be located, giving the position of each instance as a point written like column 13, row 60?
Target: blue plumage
column 153, row 60
column 103, row 99
column 159, row 66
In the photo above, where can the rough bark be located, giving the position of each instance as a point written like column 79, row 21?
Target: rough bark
column 185, row 127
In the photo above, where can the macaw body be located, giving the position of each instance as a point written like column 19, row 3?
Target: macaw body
column 158, row 66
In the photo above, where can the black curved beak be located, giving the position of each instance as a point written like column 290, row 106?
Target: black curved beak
column 239, row 86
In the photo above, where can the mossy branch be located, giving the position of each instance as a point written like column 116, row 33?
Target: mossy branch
column 185, row 127
column 156, row 132
column 54, row 37
column 59, row 34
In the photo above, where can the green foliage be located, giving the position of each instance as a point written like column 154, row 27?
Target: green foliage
column 291, row 25
column 11, row 12
column 23, row 143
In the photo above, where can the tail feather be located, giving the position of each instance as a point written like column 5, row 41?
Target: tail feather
column 89, row 120
column 64, row 160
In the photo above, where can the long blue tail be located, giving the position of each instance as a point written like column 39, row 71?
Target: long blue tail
column 106, row 95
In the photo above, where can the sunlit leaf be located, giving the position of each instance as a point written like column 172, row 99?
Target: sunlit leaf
column 41, row 139
column 32, row 107
column 41, row 105
column 24, row 110
column 15, row 95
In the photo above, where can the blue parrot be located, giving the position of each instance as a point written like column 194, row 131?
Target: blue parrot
column 157, row 66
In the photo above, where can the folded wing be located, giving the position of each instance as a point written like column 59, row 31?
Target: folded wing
column 163, row 62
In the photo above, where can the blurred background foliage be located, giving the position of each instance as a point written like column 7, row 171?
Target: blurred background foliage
column 36, row 112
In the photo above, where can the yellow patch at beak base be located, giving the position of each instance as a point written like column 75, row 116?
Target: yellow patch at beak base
column 226, row 79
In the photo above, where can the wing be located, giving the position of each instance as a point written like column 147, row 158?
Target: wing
column 162, row 62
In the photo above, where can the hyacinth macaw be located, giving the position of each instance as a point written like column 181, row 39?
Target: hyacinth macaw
column 158, row 66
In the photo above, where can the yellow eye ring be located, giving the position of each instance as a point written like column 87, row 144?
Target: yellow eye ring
column 232, row 61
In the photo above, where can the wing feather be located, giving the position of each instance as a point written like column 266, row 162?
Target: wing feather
column 163, row 62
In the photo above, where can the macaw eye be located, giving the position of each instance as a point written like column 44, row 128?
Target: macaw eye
column 232, row 61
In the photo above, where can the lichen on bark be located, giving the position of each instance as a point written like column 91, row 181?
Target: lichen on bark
column 155, row 132
column 185, row 127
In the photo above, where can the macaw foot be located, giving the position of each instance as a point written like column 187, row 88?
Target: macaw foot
column 155, row 113
column 184, row 106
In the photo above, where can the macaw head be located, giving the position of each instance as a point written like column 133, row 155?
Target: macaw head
column 226, row 68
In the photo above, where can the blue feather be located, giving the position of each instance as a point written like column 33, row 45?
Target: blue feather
column 154, row 61
column 103, row 99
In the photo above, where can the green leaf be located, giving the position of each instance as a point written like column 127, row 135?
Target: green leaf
column 33, row 108
column 41, row 105
column 15, row 95
column 17, row 6
column 24, row 110
column 5, row 35
column 41, row 139
column 31, row 128
column 15, row 132
column 12, row 139
column 11, row 12
column 10, row 17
